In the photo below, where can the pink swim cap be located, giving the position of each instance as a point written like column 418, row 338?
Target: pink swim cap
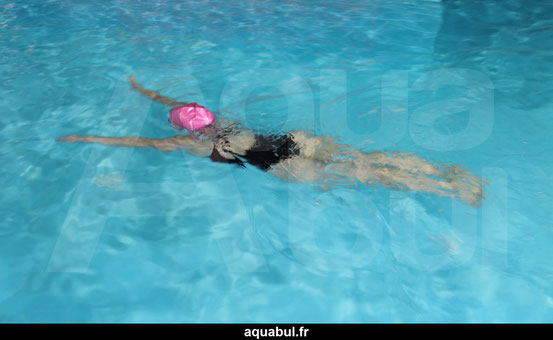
column 191, row 117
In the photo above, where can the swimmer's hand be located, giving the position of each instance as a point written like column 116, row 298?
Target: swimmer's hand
column 134, row 82
column 70, row 139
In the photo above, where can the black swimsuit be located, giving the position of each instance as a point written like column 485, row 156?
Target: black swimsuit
column 266, row 151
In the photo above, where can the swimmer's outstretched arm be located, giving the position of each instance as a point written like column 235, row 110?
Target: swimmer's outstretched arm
column 152, row 94
column 174, row 143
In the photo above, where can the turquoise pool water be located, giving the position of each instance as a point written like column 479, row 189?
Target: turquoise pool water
column 101, row 234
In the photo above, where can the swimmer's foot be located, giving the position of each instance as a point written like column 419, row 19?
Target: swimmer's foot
column 470, row 189
column 470, row 194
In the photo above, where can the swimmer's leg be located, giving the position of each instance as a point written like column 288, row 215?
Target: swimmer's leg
column 304, row 170
column 397, row 171
column 402, row 171
column 152, row 94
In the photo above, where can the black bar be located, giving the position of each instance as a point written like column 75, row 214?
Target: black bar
column 256, row 331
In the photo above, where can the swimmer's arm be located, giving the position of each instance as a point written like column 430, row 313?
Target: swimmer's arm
column 167, row 144
column 152, row 94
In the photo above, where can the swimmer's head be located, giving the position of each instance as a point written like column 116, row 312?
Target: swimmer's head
column 191, row 116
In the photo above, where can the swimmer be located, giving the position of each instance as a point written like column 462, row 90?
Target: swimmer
column 297, row 156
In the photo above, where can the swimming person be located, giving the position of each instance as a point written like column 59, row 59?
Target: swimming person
column 297, row 156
